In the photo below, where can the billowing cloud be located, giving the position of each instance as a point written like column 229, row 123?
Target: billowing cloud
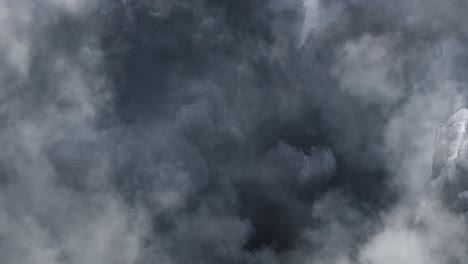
column 233, row 131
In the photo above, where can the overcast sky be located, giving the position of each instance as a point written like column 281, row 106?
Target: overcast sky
column 233, row 131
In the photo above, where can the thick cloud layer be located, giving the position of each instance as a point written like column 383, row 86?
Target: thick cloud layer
column 219, row 131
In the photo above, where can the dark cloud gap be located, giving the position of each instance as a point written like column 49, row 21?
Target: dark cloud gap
column 151, row 58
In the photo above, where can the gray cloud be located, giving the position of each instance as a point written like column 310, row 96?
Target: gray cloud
column 232, row 131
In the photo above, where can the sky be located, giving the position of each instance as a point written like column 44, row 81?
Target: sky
column 225, row 132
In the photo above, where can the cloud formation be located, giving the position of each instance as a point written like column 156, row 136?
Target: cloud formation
column 233, row 131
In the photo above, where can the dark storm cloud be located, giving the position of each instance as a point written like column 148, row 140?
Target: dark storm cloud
column 232, row 131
